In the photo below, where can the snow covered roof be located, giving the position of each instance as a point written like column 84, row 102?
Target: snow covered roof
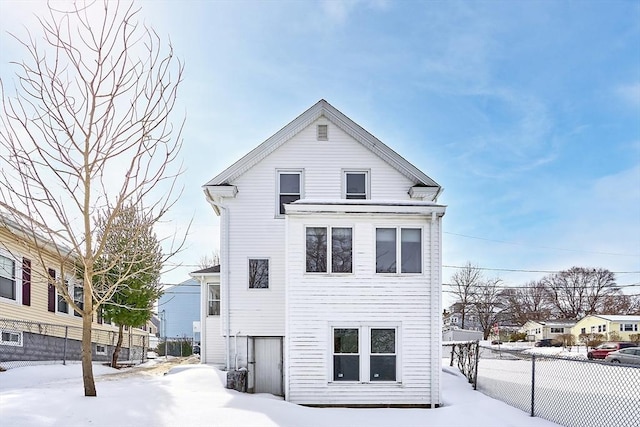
column 618, row 317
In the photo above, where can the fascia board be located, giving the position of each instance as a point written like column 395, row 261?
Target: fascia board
column 308, row 209
column 269, row 146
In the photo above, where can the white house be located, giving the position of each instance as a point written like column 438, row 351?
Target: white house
column 547, row 329
column 330, row 279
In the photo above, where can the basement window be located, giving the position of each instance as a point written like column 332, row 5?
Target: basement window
column 11, row 338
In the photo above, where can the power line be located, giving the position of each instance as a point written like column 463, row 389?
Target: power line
column 519, row 270
column 480, row 285
column 539, row 247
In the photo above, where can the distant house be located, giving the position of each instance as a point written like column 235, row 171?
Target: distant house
column 622, row 326
column 330, row 280
column 537, row 330
column 178, row 308
column 453, row 320
column 36, row 322
column 212, row 350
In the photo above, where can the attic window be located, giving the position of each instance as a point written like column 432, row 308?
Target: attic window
column 323, row 132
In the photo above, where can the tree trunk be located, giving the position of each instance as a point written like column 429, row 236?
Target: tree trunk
column 116, row 350
column 87, row 366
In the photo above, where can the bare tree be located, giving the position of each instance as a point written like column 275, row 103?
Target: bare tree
column 578, row 292
column 488, row 304
column 209, row 260
column 527, row 303
column 87, row 132
column 465, row 284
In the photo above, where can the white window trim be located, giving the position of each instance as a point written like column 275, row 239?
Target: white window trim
column 101, row 352
column 17, row 282
column 329, row 254
column 367, row 181
column 268, row 288
column 399, row 229
column 364, row 351
column 12, row 343
column 277, row 187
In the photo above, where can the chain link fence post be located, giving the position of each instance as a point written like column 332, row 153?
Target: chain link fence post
column 475, row 376
column 533, row 384
column 64, row 349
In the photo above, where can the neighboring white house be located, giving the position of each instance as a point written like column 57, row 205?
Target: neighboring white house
column 330, row 268
column 546, row 329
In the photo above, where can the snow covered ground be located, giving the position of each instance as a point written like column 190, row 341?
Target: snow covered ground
column 194, row 395
column 570, row 390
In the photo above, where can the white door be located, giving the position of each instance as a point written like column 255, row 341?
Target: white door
column 268, row 365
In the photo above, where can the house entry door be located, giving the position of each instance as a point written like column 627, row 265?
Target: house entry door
column 268, row 365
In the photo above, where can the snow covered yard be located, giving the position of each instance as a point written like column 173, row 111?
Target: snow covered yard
column 194, row 395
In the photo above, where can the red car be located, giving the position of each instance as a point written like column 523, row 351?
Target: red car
column 601, row 351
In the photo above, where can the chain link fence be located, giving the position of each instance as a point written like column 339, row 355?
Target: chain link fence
column 24, row 343
column 573, row 392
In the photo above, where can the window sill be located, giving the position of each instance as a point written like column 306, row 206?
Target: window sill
column 365, row 383
column 322, row 274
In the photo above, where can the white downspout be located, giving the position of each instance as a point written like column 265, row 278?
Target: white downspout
column 436, row 259
column 224, row 264
column 204, row 297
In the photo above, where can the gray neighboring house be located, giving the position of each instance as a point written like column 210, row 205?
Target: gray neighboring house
column 178, row 308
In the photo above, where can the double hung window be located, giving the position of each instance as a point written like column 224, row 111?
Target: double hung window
column 78, row 298
column 366, row 354
column 408, row 253
column 63, row 306
column 346, row 354
column 289, row 188
column 356, row 185
column 7, row 278
column 214, row 299
column 329, row 249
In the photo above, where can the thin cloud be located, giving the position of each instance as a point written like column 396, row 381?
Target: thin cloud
column 629, row 93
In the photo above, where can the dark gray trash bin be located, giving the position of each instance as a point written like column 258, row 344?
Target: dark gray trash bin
column 237, row 380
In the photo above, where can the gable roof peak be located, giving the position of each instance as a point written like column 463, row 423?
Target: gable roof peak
column 322, row 108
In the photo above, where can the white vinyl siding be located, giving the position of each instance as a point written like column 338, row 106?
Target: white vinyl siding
column 318, row 304
column 254, row 229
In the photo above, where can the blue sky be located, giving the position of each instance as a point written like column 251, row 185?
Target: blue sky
column 527, row 113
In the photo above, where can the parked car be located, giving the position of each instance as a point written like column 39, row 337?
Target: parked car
column 601, row 351
column 629, row 356
column 548, row 342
